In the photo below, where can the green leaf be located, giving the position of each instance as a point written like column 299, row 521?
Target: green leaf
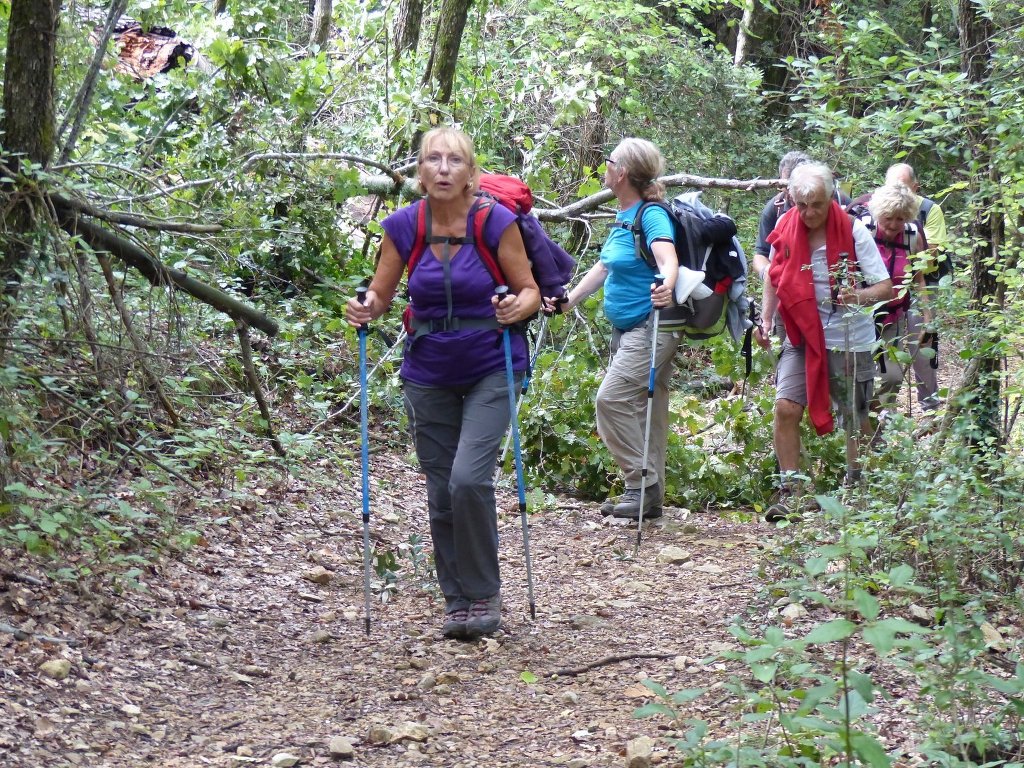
column 528, row 677
column 654, row 708
column 657, row 688
column 863, row 684
column 816, row 565
column 866, row 604
column 687, row 695
column 881, row 637
column 900, row 575
column 763, row 673
column 48, row 525
column 839, row 629
column 869, row 750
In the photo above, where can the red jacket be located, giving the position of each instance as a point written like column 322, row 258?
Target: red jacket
column 791, row 276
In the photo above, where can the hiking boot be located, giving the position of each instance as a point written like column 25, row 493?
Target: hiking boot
column 608, row 506
column 484, row 616
column 629, row 506
column 455, row 623
column 931, row 403
column 781, row 510
column 791, row 504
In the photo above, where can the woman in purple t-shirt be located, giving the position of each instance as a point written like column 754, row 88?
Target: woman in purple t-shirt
column 454, row 378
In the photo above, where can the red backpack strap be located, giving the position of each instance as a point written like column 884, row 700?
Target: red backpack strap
column 419, row 242
column 481, row 213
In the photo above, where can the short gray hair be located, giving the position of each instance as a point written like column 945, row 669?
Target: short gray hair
column 807, row 178
column 903, row 172
column 791, row 160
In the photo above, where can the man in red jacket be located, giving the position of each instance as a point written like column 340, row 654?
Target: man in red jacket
column 824, row 277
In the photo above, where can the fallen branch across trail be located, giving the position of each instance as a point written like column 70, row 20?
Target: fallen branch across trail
column 606, row 660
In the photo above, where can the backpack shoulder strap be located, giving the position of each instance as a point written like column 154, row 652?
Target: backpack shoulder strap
column 481, row 214
column 926, row 207
column 419, row 242
column 643, row 250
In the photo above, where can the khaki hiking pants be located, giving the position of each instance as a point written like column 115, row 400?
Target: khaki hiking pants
column 622, row 402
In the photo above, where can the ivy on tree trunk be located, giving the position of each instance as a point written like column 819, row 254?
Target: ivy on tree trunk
column 451, row 24
column 27, row 127
column 407, row 27
column 976, row 33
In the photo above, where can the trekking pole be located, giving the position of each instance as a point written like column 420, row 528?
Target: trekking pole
column 501, row 292
column 853, row 428
column 522, row 394
column 364, row 447
column 658, row 280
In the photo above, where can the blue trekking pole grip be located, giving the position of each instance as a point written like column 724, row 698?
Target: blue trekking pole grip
column 501, row 292
column 365, row 455
column 659, row 280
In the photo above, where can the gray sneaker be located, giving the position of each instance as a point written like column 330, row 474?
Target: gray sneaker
column 484, row 616
column 629, row 506
column 455, row 623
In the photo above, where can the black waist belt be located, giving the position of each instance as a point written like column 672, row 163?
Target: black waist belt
column 422, row 327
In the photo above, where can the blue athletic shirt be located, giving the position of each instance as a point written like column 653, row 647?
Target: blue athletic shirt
column 627, row 289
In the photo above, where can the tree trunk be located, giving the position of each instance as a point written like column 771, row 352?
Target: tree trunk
column 27, row 128
column 445, row 55
column 407, row 27
column 740, row 57
column 593, row 147
column 976, row 32
column 321, row 29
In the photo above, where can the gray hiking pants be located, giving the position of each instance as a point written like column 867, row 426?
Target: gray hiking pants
column 457, row 433
column 903, row 335
column 622, row 403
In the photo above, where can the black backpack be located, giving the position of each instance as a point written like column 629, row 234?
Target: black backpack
column 707, row 242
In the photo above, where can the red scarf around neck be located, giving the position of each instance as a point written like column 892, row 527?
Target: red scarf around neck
column 791, row 276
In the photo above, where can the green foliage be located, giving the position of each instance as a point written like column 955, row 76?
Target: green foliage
column 391, row 568
column 921, row 533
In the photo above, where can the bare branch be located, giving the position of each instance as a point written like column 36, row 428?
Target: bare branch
column 254, row 382
column 591, row 203
column 101, row 239
column 130, row 220
column 396, row 178
column 80, row 106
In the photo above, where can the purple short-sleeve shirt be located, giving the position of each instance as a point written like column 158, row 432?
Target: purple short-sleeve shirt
column 453, row 358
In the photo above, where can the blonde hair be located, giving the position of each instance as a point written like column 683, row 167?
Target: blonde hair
column 453, row 140
column 643, row 164
column 894, row 200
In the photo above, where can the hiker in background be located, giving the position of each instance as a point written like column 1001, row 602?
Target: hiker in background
column 774, row 209
column 454, row 377
column 819, row 260
column 933, row 221
column 630, row 294
column 893, row 209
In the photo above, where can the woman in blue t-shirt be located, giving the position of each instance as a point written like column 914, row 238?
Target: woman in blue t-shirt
column 453, row 372
column 630, row 293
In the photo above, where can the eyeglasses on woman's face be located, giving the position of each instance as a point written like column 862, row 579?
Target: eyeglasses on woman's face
column 610, row 161
column 437, row 159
